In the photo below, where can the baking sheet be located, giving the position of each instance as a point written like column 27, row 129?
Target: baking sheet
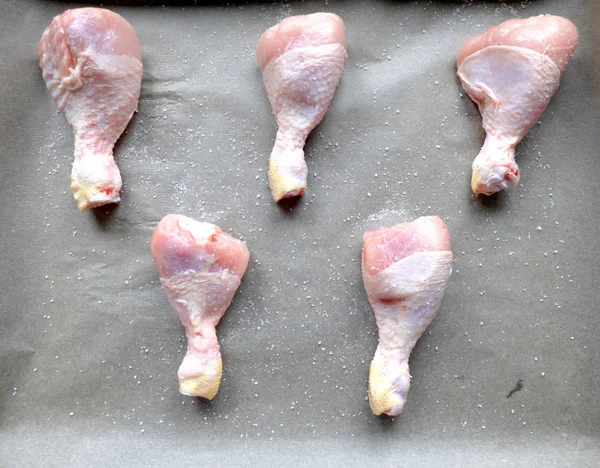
column 89, row 347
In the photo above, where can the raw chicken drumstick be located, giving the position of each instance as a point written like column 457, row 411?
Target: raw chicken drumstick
column 92, row 63
column 405, row 271
column 200, row 268
column 511, row 72
column 301, row 60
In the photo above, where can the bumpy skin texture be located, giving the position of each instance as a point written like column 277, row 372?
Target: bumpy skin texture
column 511, row 72
column 405, row 271
column 92, row 64
column 200, row 268
column 302, row 59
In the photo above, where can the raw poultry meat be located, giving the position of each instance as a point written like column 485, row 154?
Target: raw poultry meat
column 200, row 268
column 92, row 63
column 511, row 72
column 405, row 271
column 301, row 60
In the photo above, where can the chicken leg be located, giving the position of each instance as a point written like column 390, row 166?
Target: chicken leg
column 92, row 63
column 405, row 270
column 200, row 268
column 511, row 72
column 301, row 60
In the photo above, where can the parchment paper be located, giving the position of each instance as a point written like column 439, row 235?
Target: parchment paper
column 89, row 347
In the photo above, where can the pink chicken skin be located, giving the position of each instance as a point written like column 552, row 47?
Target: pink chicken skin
column 301, row 59
column 200, row 268
column 405, row 271
column 92, row 64
column 511, row 72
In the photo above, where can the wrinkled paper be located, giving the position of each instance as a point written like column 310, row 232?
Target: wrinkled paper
column 89, row 346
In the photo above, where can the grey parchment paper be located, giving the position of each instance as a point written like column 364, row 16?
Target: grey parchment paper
column 89, row 347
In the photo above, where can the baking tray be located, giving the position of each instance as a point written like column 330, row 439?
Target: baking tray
column 89, row 346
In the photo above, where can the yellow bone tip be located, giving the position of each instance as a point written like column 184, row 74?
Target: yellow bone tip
column 283, row 185
column 382, row 398
column 91, row 195
column 201, row 385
